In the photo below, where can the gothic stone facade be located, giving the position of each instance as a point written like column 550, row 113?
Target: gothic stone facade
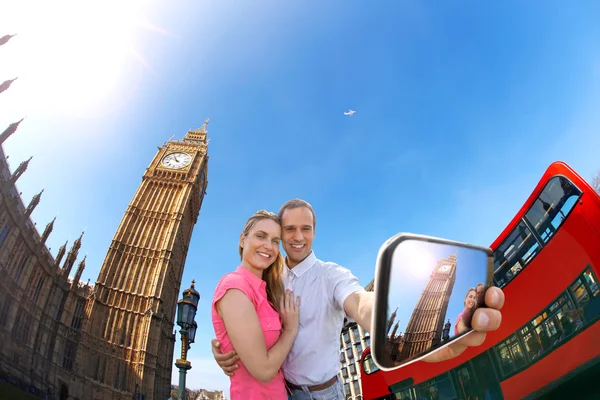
column 113, row 339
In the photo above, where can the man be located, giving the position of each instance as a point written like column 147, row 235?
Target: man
column 479, row 290
column 328, row 293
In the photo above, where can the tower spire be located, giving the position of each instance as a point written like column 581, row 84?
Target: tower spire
column 19, row 171
column 72, row 256
column 48, row 230
column 6, row 84
column 33, row 204
column 80, row 269
column 202, row 129
column 12, row 128
column 198, row 136
column 60, row 254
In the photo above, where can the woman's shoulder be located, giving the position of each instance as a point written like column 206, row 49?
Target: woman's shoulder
column 233, row 280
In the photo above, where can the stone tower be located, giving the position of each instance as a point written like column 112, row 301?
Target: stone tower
column 426, row 323
column 132, row 311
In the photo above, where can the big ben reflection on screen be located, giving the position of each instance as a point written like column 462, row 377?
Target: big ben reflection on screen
column 433, row 289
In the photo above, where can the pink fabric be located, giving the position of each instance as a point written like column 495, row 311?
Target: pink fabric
column 465, row 314
column 243, row 384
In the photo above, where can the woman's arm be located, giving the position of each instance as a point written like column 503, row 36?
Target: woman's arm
column 247, row 338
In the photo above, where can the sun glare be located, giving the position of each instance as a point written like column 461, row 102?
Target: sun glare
column 72, row 56
column 414, row 260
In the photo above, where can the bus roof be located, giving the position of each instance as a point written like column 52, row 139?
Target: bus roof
column 556, row 168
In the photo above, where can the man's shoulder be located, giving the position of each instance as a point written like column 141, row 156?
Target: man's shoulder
column 331, row 270
column 330, row 266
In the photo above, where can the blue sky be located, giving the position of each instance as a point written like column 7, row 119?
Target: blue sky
column 460, row 107
column 412, row 265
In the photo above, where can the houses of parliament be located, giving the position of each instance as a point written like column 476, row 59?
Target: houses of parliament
column 65, row 339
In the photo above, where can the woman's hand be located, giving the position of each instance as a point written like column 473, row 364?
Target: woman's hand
column 289, row 311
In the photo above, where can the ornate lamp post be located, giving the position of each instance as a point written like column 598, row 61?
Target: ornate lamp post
column 186, row 312
column 192, row 333
column 446, row 331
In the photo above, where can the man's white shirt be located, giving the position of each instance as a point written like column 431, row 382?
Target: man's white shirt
column 323, row 287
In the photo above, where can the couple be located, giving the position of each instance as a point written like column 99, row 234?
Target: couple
column 473, row 300
column 278, row 351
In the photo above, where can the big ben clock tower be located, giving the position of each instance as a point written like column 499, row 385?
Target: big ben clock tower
column 426, row 323
column 132, row 311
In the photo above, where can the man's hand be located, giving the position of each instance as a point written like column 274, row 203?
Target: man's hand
column 484, row 320
column 226, row 361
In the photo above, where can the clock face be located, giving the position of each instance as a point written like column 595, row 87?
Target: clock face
column 176, row 160
column 444, row 268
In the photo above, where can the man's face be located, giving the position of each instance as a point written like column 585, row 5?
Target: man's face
column 480, row 294
column 298, row 233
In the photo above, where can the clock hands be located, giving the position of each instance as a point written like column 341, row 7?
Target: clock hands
column 176, row 160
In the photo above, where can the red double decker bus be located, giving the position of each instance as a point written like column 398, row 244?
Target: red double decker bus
column 547, row 261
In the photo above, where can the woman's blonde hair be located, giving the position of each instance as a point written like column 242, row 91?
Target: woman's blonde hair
column 273, row 275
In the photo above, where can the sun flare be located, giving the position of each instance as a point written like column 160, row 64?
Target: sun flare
column 73, row 56
column 415, row 261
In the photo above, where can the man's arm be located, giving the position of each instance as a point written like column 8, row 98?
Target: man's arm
column 359, row 306
column 227, row 361
column 350, row 296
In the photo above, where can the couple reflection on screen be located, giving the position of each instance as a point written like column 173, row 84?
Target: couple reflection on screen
column 473, row 300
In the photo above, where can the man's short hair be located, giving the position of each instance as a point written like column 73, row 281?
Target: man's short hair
column 297, row 203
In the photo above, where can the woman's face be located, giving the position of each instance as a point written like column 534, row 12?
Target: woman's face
column 471, row 299
column 261, row 245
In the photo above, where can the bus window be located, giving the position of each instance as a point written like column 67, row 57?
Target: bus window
column 533, row 347
column 406, row 394
column 368, row 365
column 486, row 378
column 558, row 303
column 550, row 327
column 438, row 388
column 561, row 322
column 514, row 254
column 466, row 382
column 589, row 281
column 552, row 206
column 511, row 355
column 592, row 283
column 579, row 293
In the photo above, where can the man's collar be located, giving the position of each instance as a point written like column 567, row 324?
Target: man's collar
column 304, row 265
column 254, row 280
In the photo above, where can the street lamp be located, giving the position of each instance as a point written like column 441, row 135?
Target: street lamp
column 446, row 331
column 186, row 312
column 192, row 334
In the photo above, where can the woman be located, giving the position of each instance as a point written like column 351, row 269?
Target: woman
column 250, row 308
column 463, row 321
